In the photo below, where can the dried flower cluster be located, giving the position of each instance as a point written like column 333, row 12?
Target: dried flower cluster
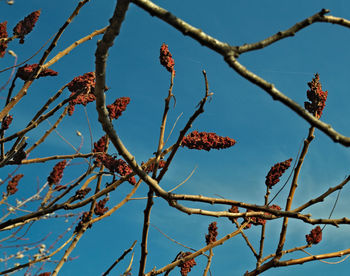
column 45, row 274
column 6, row 122
column 115, row 110
column 84, row 86
column 100, row 208
column 150, row 168
column 316, row 96
column 80, row 194
column 206, row 141
column 276, row 171
column 116, row 165
column 100, row 145
column 212, row 233
column 258, row 220
column 12, row 185
column 57, row 173
column 3, row 34
column 233, row 209
column 315, row 236
column 26, row 71
column 186, row 266
column 166, row 58
column 26, row 25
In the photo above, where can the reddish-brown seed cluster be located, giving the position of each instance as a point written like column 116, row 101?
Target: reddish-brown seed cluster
column 315, row 236
column 3, row 34
column 316, row 96
column 273, row 177
column 166, row 58
column 150, row 168
column 57, row 173
column 100, row 145
column 206, row 141
column 26, row 71
column 258, row 220
column 233, row 209
column 80, row 194
column 116, row 109
column 83, row 85
column 100, row 208
column 212, row 233
column 115, row 165
column 12, row 185
column 45, row 274
column 186, row 266
column 26, row 25
column 84, row 218
column 6, row 122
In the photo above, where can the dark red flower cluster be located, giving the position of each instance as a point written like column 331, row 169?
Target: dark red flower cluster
column 115, row 165
column 80, row 194
column 315, row 236
column 206, row 141
column 85, row 86
column 212, row 233
column 150, row 168
column 186, row 266
column 273, row 177
column 57, row 173
column 100, row 145
column 26, row 25
column 6, row 122
column 26, row 71
column 233, row 209
column 100, row 208
column 258, row 220
column 166, row 58
column 3, row 34
column 45, row 274
column 115, row 110
column 316, row 96
column 12, row 185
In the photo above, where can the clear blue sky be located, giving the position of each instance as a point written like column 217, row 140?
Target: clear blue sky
column 266, row 131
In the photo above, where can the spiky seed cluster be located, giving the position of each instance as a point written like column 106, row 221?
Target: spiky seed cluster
column 26, row 71
column 276, row 171
column 316, row 96
column 12, row 185
column 3, row 34
column 186, row 266
column 212, row 233
column 100, row 208
column 115, row 110
column 233, row 209
column 57, row 173
column 166, row 58
column 258, row 220
column 6, row 122
column 150, row 168
column 123, row 169
column 80, row 194
column 315, row 236
column 206, row 141
column 100, row 145
column 26, row 25
column 83, row 85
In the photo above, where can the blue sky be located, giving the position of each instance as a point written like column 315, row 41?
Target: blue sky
column 266, row 131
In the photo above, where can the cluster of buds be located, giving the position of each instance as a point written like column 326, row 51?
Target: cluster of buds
column 212, row 233
column 276, row 171
column 80, row 194
column 186, row 266
column 115, row 165
column 3, row 35
column 12, row 185
column 26, row 25
column 316, row 96
column 5, row 124
column 84, row 86
column 115, row 110
column 100, row 145
column 26, row 71
column 315, row 236
column 100, row 208
column 206, row 141
column 57, row 173
column 166, row 58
